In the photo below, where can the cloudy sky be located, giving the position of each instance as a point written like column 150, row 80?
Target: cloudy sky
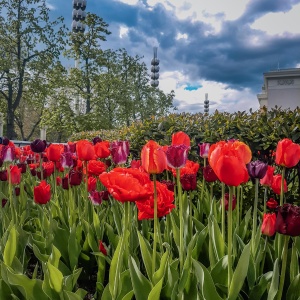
column 218, row 47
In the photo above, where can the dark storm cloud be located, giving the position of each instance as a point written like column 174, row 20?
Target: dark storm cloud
column 236, row 56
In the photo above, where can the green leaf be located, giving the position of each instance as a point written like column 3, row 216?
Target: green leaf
column 275, row 281
column 207, row 286
column 71, row 280
column 55, row 277
column 74, row 248
column 146, row 254
column 216, row 242
column 159, row 274
column 116, row 266
column 30, row 288
column 10, row 247
column 128, row 296
column 239, row 274
column 71, row 296
column 219, row 273
column 54, row 257
column 294, row 266
column 175, row 229
column 155, row 292
column 141, row 285
column 258, row 290
column 293, row 292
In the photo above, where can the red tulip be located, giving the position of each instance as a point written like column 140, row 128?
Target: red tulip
column 92, row 183
column 54, row 152
column 287, row 153
column 127, row 184
column 276, row 184
column 268, row 178
column 153, row 158
column 85, row 150
column 15, row 175
column 190, row 167
column 165, row 199
column 181, row 138
column 228, row 160
column 272, row 203
column 102, row 248
column 288, row 220
column 268, row 224
column 42, row 193
column 102, row 149
column 96, row 167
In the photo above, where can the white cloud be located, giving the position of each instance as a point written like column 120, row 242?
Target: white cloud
column 280, row 23
column 50, row 6
column 183, row 36
column 123, row 31
column 222, row 98
column 130, row 2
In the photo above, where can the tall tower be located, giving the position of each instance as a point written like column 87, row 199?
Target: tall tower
column 206, row 104
column 78, row 15
column 154, row 69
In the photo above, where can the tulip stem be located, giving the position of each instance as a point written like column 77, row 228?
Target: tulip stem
column 265, row 199
column 229, row 246
column 254, row 227
column 223, row 210
column 179, row 192
column 155, row 226
column 282, row 186
column 202, row 193
column 283, row 266
column 238, row 206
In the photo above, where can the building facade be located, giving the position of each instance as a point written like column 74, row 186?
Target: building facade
column 281, row 88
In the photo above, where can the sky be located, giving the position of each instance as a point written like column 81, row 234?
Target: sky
column 215, row 47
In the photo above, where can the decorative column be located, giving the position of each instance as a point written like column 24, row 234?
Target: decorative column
column 78, row 15
column 154, row 69
column 206, row 104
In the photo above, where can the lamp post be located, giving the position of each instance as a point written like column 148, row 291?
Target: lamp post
column 154, row 69
column 78, row 16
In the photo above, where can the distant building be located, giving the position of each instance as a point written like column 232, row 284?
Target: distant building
column 281, row 88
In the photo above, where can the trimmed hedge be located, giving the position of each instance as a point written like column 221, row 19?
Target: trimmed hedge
column 261, row 130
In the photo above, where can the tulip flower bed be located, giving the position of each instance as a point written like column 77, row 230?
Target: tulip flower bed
column 84, row 221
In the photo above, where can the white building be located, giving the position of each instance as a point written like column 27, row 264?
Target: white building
column 281, row 88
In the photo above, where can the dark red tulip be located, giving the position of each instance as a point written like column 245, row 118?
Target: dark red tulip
column 209, row 174
column 227, row 201
column 288, row 220
column 188, row 182
column 38, row 146
column 75, row 177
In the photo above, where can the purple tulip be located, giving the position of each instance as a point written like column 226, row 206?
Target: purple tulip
column 119, row 151
column 177, row 156
column 203, row 149
column 257, row 169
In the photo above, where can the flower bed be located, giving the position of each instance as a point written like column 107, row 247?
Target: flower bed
column 85, row 221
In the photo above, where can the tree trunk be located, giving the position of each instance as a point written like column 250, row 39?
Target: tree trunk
column 10, row 124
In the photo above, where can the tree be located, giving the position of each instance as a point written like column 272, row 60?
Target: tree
column 86, row 48
column 29, row 44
